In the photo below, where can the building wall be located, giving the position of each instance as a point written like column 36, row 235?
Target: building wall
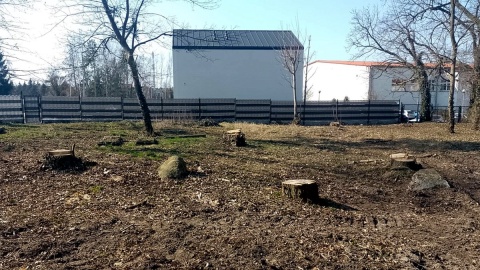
column 336, row 81
column 383, row 89
column 241, row 74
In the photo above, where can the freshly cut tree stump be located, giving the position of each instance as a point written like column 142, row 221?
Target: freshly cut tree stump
column 236, row 137
column 62, row 153
column 403, row 161
column 64, row 160
column 300, row 189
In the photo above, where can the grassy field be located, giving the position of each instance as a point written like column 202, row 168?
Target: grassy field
column 229, row 212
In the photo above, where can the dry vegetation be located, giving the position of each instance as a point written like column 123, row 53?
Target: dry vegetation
column 229, row 212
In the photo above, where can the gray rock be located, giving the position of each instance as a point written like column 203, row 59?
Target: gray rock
column 173, row 168
column 427, row 178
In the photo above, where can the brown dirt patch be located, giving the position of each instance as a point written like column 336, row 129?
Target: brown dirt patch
column 229, row 212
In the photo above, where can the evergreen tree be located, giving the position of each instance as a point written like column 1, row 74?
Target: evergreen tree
column 5, row 84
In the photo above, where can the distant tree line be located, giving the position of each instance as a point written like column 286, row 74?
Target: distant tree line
column 92, row 71
column 6, row 85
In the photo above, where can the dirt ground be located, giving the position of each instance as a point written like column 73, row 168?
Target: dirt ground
column 229, row 213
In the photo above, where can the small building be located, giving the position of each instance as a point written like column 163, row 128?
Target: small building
column 361, row 80
column 234, row 64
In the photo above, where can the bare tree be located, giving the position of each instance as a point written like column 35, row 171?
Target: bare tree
column 462, row 23
column 471, row 9
column 306, row 87
column 454, row 43
column 129, row 24
column 397, row 37
column 9, row 25
column 291, row 58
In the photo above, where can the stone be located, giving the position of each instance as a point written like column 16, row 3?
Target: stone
column 173, row 168
column 426, row 179
column 111, row 141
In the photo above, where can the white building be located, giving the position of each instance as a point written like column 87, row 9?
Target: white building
column 234, row 64
column 359, row 80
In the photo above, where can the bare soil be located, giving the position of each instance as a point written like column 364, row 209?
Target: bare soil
column 114, row 212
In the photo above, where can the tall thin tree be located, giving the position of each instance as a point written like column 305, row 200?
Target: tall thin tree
column 130, row 25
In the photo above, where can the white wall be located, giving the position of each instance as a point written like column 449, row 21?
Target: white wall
column 241, row 74
column 382, row 88
column 382, row 85
column 336, row 81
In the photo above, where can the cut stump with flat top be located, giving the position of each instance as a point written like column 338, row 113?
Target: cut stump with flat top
column 236, row 137
column 62, row 153
column 403, row 160
column 63, row 159
column 300, row 189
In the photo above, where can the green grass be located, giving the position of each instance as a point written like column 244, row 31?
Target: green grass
column 95, row 189
column 165, row 147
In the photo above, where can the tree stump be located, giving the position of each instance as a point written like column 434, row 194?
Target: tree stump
column 403, row 161
column 236, row 137
column 306, row 190
column 62, row 153
column 63, row 159
column 111, row 141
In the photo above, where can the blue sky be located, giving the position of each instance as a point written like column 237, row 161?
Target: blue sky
column 327, row 22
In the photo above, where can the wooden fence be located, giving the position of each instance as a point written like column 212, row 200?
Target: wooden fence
column 34, row 109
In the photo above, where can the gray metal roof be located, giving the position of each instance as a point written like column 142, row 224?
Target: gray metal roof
column 234, row 40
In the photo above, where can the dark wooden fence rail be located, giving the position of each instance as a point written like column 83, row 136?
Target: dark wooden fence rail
column 31, row 109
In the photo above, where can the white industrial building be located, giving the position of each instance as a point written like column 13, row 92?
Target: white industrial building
column 360, row 80
column 234, row 64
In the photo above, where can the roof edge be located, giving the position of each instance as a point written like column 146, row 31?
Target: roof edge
column 374, row 63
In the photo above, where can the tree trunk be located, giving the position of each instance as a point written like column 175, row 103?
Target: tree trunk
column 474, row 112
column 452, row 68
column 425, row 95
column 294, row 89
column 475, row 76
column 141, row 97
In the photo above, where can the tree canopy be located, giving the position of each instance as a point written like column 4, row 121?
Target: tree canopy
column 5, row 83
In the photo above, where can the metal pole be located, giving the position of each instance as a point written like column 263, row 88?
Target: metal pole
column 199, row 109
column 22, row 101
column 368, row 113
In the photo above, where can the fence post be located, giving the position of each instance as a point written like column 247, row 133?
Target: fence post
column 304, row 104
column 234, row 110
column 402, row 108
column 80, row 107
column 161, row 106
column 368, row 113
column 199, row 109
column 270, row 121
column 459, row 114
column 122, row 107
column 40, row 113
column 22, row 102
column 336, row 111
